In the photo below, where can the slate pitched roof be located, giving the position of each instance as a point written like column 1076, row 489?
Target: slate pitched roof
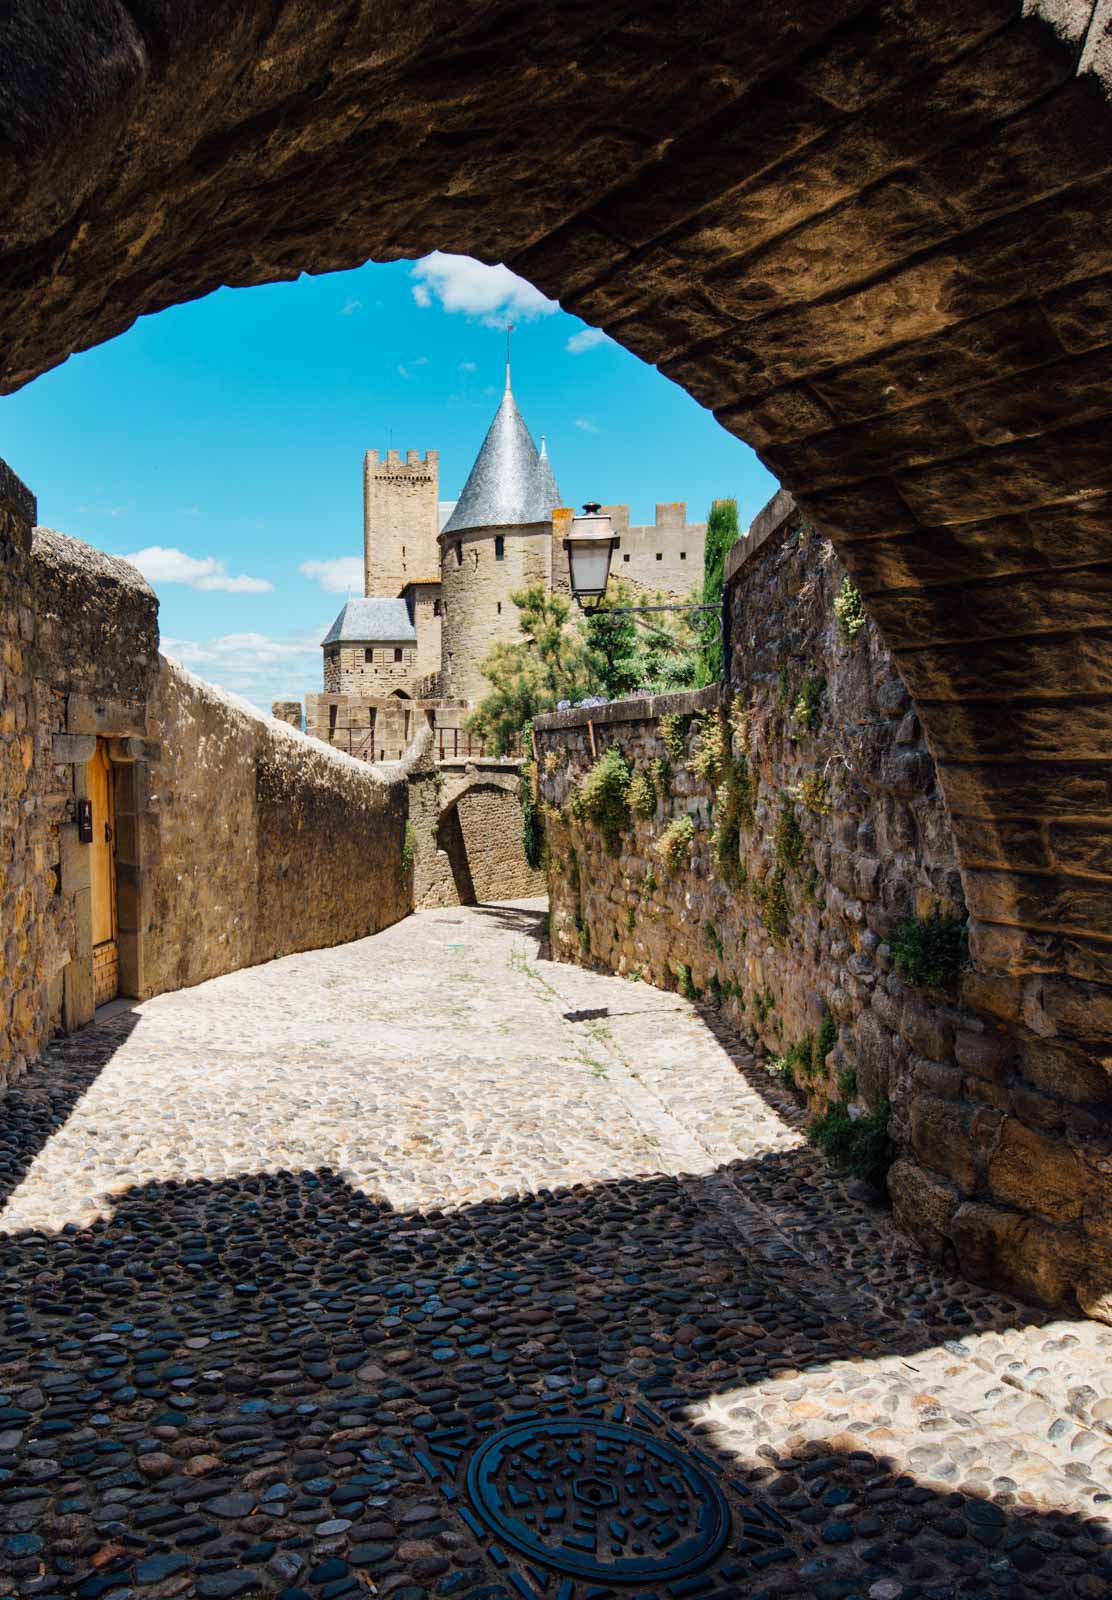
column 508, row 485
column 372, row 622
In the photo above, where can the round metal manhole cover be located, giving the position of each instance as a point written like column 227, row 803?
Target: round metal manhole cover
column 599, row 1501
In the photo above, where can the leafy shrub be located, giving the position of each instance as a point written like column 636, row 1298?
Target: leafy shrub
column 849, row 610
column 931, row 951
column 811, row 792
column 642, row 794
column 551, row 761
column 674, row 845
column 791, row 846
column 711, row 934
column 649, row 881
column 532, row 828
column 673, row 730
column 847, row 1083
column 660, row 771
column 763, row 1004
column 807, row 711
column 603, row 796
column 685, row 981
column 712, row 752
column 631, row 920
column 583, row 931
column 861, row 1147
column 826, row 1040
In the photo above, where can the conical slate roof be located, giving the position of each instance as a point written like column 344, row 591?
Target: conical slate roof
column 509, row 485
column 549, row 476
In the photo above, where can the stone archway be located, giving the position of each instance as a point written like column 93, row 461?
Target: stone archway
column 874, row 236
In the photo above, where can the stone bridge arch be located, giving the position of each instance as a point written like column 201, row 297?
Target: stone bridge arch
column 874, row 236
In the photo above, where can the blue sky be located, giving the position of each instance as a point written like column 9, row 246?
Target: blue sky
column 224, row 439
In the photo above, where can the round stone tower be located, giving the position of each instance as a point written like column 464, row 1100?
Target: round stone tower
column 497, row 541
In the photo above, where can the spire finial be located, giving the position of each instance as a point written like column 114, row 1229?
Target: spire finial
column 509, row 330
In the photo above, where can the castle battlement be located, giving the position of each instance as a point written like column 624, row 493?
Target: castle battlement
column 392, row 461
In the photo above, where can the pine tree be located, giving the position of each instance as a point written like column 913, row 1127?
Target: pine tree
column 722, row 533
column 551, row 662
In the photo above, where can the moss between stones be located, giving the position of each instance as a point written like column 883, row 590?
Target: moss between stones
column 791, row 847
column 774, row 906
column 642, row 794
column 807, row 711
column 673, row 731
column 931, row 951
column 860, row 1146
column 602, row 797
column 409, row 846
column 811, row 791
column 674, row 845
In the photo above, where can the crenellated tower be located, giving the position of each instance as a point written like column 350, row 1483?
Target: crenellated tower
column 400, row 520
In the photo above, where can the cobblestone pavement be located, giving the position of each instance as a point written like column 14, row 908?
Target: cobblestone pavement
column 425, row 1267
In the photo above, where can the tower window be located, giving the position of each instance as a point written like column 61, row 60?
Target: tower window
column 499, row 549
column 459, row 553
column 625, row 558
column 683, row 555
column 397, row 653
column 436, row 608
column 499, row 608
column 368, row 656
column 659, row 556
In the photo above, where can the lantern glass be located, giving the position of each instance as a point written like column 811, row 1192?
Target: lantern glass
column 590, row 546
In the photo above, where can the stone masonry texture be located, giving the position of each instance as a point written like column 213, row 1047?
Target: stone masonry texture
column 237, row 839
column 874, row 236
column 283, row 1251
column 999, row 1114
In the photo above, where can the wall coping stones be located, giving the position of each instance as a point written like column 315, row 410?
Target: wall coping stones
column 769, row 518
column 645, row 708
column 15, row 492
column 62, row 552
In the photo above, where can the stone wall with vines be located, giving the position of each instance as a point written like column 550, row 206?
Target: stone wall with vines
column 781, row 849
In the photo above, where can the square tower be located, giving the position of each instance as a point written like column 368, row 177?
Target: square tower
column 400, row 521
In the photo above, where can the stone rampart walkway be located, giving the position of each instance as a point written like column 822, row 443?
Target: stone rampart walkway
column 425, row 1267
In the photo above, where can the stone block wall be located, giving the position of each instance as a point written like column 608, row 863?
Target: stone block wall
column 26, row 879
column 270, row 842
column 1001, row 1131
column 237, row 838
column 347, row 670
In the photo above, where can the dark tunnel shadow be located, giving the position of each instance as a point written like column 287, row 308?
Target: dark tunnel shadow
column 348, row 1343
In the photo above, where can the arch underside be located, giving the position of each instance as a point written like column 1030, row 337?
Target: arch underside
column 875, row 238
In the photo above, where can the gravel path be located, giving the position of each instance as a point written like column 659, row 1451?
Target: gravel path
column 284, row 1255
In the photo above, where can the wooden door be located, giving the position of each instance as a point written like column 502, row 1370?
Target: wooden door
column 106, row 966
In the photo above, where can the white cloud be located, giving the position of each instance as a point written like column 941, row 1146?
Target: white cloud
column 336, row 576
column 493, row 294
column 402, row 372
column 586, row 339
column 468, row 366
column 585, row 425
column 256, row 665
column 167, row 565
column 350, row 308
column 118, row 511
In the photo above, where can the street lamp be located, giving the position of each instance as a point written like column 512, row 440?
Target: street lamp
column 590, row 546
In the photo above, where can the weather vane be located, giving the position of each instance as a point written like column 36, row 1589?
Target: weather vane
column 509, row 330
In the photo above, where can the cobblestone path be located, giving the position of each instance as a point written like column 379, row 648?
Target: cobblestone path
column 425, row 1267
